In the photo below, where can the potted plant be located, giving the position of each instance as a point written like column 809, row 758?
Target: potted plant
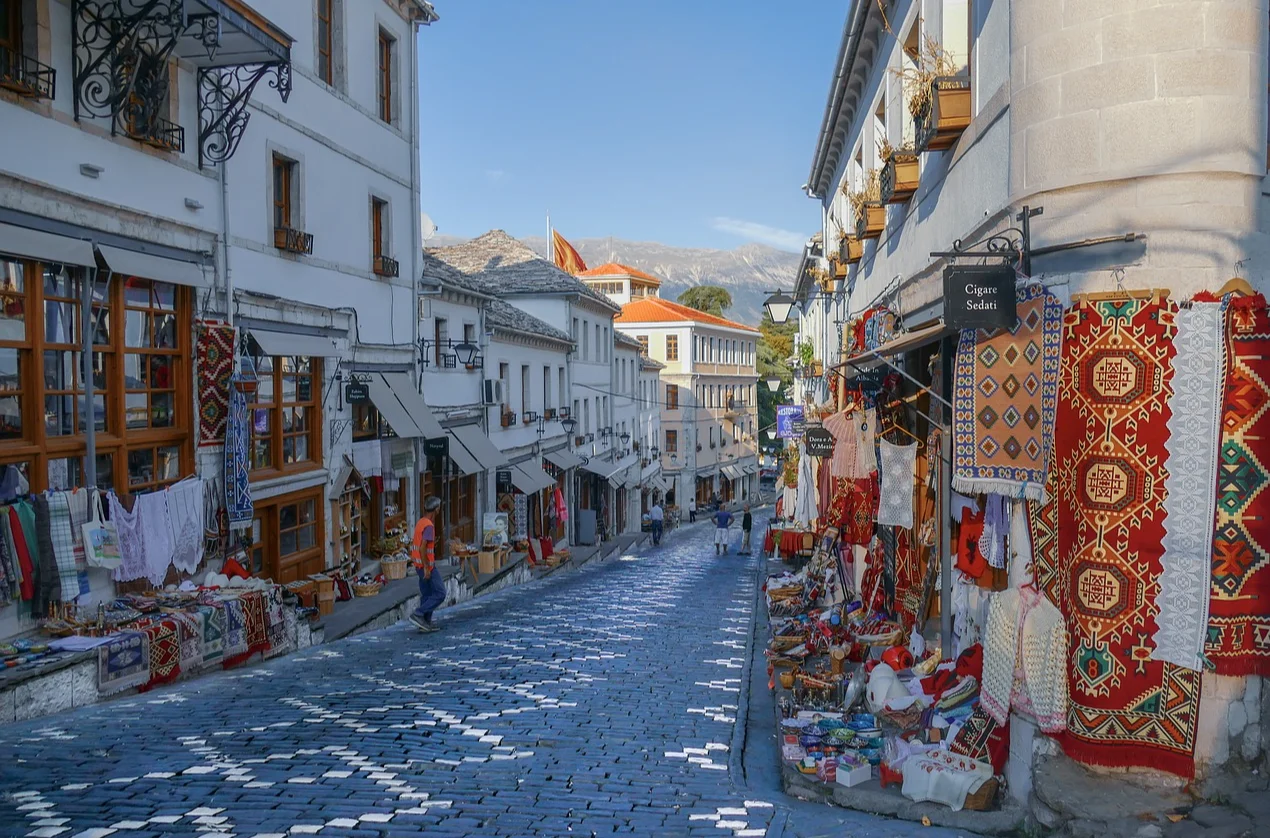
column 867, row 207
column 938, row 94
column 899, row 177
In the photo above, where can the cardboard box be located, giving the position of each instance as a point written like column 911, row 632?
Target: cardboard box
column 852, row 773
column 487, row 561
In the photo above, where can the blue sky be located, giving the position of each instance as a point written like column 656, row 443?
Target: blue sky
column 688, row 122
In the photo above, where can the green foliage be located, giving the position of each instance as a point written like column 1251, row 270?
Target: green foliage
column 775, row 346
column 710, row 299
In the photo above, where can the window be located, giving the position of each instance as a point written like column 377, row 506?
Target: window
column 586, row 347
column 643, row 345
column 504, row 375
column 714, row 359
column 366, row 421
column 287, row 537
column 561, row 390
column 575, row 414
column 573, row 331
column 599, row 347
column 469, row 333
column 152, row 363
column 546, row 388
column 11, row 29
column 283, row 183
column 285, row 417
column 525, row 400
column 441, row 337
column 586, row 416
column 387, row 54
column 672, row 397
column 672, row 442
column 672, row 347
column 325, row 41
column 378, row 225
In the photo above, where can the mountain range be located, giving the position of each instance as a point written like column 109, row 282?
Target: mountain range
column 750, row 272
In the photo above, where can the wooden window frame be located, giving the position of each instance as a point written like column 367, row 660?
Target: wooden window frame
column 672, row 397
column 276, row 407
column 385, row 55
column 326, row 46
column 672, row 441
column 672, row 347
column 15, row 23
column 378, row 211
column 268, row 548
column 283, row 185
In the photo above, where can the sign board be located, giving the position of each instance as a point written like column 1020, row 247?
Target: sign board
column 503, row 477
column 356, row 392
column 819, row 442
column 789, row 421
column 437, row 446
column 980, row 297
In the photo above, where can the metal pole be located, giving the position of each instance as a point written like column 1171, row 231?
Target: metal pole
column 87, row 284
column 945, row 509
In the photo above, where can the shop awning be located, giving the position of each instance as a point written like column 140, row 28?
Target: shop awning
column 751, row 468
column 562, row 459
column 407, row 412
column 463, row 459
column 603, row 468
column 528, row 478
column 278, row 344
column 160, row 268
column 478, row 445
column 47, row 247
column 733, row 472
column 906, row 342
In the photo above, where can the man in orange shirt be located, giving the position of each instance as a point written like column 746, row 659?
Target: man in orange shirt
column 424, row 557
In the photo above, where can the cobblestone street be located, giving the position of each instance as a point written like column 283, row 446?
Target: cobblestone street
column 602, row 700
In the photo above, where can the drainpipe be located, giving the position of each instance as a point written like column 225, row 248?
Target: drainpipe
column 87, row 284
column 223, row 176
column 416, row 248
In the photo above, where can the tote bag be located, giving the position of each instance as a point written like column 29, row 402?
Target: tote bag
column 101, row 541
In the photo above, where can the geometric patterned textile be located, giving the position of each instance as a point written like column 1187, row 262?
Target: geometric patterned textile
column 213, row 633
column 1005, row 386
column 235, row 631
column 981, row 738
column 215, row 359
column 1238, row 640
column 237, row 464
column 123, row 663
column 1042, row 524
column 899, row 463
column 853, row 508
column 1126, row 709
column 1190, row 488
column 165, row 653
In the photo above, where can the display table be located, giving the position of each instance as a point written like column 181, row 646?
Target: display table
column 788, row 539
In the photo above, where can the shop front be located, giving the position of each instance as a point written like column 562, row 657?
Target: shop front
column 562, row 465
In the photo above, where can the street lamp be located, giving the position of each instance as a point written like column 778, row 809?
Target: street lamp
column 625, row 437
column 779, row 306
column 656, row 452
column 773, row 384
column 569, row 425
column 465, row 352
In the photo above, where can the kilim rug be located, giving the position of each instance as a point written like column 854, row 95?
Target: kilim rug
column 1042, row 522
column 981, row 738
column 854, row 507
column 1190, row 487
column 237, row 464
column 1126, row 708
column 123, row 663
column 165, row 653
column 1239, row 618
column 213, row 633
column 235, row 631
column 215, row 358
column 190, row 636
column 257, row 625
column 1005, row 387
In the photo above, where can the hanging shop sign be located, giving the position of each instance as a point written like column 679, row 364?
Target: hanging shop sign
column 503, row 478
column 437, row 446
column 819, row 442
column 789, row 421
column 980, row 297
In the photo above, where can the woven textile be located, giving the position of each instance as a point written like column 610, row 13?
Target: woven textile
column 237, row 464
column 185, row 517
column 853, row 508
column 213, row 633
column 123, row 663
column 981, row 738
column 63, row 545
column 190, row 635
column 1005, row 388
column 235, row 643
column 1042, row 525
column 895, row 505
column 256, row 625
column 1239, row 620
column 1190, row 497
column 1126, row 709
column 215, row 358
column 165, row 653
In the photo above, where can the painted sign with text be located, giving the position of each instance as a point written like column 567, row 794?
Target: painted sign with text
column 789, row 421
column 980, row 297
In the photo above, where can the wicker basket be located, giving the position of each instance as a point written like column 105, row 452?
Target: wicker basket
column 787, row 679
column 393, row 569
column 983, row 799
column 368, row 589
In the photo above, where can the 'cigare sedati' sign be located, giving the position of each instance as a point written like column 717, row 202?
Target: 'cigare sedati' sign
column 979, row 297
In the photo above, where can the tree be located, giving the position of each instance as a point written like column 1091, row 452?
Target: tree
column 775, row 345
column 710, row 299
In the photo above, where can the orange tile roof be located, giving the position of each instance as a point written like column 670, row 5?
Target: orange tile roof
column 618, row 269
column 657, row 310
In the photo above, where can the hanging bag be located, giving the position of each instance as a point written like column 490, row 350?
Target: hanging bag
column 101, row 540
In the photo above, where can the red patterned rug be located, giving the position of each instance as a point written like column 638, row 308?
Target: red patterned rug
column 165, row 653
column 215, row 358
column 1238, row 641
column 854, row 507
column 1042, row 522
column 1126, row 709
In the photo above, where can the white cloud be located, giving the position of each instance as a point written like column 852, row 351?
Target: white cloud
column 762, row 233
column 494, row 175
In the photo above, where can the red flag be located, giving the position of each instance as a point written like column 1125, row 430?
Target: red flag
column 567, row 259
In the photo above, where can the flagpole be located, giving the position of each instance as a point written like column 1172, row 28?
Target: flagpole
column 551, row 249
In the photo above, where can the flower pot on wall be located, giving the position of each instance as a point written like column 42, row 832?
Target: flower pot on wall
column 899, row 178
column 852, row 250
column 871, row 221
column 948, row 116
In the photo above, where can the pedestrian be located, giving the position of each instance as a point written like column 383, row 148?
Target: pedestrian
column 722, row 520
column 747, row 524
column 692, row 511
column 656, row 519
column 423, row 554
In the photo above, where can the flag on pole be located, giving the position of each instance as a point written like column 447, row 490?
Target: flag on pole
column 566, row 258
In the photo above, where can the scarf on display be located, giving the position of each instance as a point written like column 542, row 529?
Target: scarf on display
column 123, row 663
column 15, row 541
column 1238, row 641
column 1112, row 425
column 1190, row 502
column 238, row 464
column 1005, row 386
column 215, row 358
column 996, row 524
column 898, row 462
column 48, row 588
column 74, row 580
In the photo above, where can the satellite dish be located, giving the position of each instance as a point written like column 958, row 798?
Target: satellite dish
column 427, row 226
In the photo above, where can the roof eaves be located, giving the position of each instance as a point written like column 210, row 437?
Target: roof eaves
column 852, row 31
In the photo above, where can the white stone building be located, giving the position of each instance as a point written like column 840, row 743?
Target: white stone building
column 647, row 443
column 626, row 360
column 621, row 283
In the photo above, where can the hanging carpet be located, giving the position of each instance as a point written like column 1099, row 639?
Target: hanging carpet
column 238, row 465
column 1005, row 387
column 1126, row 709
column 1238, row 641
column 215, row 359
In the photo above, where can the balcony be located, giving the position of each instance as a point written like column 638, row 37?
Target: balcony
column 158, row 133
column 386, row 266
column 25, row 76
column 292, row 241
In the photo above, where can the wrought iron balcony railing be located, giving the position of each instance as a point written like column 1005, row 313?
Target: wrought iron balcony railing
column 292, row 241
column 386, row 266
column 25, row 76
column 159, row 133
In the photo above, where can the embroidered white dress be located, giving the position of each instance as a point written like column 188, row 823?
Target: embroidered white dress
column 1024, row 659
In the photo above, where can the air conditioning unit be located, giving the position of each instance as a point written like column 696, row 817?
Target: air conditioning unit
column 492, row 392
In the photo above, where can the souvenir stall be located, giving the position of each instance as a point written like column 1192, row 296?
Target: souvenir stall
column 1089, row 497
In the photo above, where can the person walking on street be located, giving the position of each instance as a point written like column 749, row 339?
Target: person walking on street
column 423, row 554
column 722, row 520
column 747, row 524
column 656, row 519
column 692, row 510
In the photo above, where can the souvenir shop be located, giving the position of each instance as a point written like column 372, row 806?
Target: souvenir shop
column 1045, row 526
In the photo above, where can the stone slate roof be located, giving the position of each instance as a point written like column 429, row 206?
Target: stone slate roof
column 626, row 340
column 436, row 270
column 505, row 267
column 504, row 315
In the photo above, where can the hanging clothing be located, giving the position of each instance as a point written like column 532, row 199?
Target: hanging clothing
column 62, row 540
column 807, row 503
column 132, row 551
column 846, row 441
column 896, row 499
column 185, row 516
column 996, row 524
column 1025, row 659
column 77, row 501
column 49, row 587
column 13, row 484
column 157, row 534
column 1020, row 545
column 15, row 540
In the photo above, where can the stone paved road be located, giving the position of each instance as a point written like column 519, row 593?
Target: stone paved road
column 603, row 700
